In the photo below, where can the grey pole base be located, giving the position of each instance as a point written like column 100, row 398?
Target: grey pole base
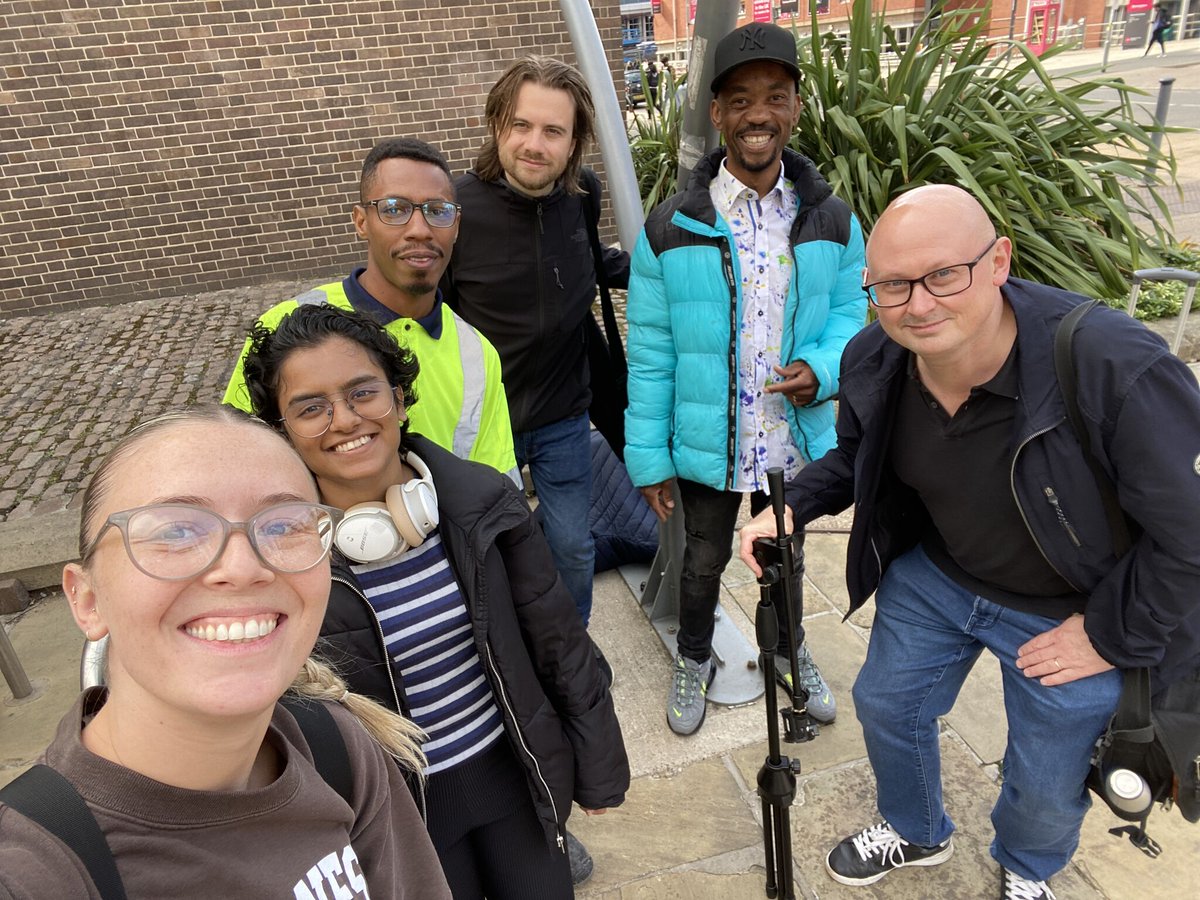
column 738, row 680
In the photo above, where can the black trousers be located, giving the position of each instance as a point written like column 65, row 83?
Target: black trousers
column 487, row 833
column 709, row 517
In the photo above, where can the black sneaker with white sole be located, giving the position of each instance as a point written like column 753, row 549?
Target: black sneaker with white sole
column 1014, row 887
column 866, row 857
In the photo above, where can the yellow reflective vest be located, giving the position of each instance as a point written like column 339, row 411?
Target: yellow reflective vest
column 461, row 403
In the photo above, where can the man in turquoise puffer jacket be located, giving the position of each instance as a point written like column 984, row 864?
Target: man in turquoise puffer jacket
column 744, row 290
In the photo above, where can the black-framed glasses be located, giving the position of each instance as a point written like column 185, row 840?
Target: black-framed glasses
column 178, row 541
column 311, row 417
column 944, row 282
column 397, row 211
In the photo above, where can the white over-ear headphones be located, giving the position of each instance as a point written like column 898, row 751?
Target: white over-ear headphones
column 375, row 532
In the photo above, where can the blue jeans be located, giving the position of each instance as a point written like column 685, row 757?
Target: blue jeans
column 927, row 635
column 560, row 460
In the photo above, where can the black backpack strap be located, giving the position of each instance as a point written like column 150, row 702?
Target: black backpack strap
column 330, row 757
column 1131, row 721
column 1064, row 368
column 591, row 215
column 45, row 797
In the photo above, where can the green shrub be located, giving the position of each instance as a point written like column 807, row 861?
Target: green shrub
column 1057, row 161
column 654, row 143
column 1056, row 167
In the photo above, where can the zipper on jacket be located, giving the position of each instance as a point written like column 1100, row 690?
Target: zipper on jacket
column 512, row 717
column 558, row 280
column 731, row 410
column 1062, row 516
column 391, row 680
column 1012, row 484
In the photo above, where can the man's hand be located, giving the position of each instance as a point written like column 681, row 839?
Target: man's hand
column 1062, row 654
column 658, row 498
column 798, row 383
column 762, row 525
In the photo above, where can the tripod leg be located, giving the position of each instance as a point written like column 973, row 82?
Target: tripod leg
column 783, row 841
column 768, row 817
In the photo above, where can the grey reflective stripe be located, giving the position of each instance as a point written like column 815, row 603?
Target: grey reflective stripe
column 315, row 297
column 470, row 354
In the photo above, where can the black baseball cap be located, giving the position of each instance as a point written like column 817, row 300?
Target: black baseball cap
column 751, row 43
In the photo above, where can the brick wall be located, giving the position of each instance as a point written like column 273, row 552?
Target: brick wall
column 177, row 147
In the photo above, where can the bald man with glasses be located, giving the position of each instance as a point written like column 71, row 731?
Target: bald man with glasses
column 408, row 216
column 979, row 526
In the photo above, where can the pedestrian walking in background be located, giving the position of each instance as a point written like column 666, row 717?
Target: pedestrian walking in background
column 1158, row 29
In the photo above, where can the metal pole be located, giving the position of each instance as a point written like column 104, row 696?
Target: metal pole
column 697, row 134
column 610, row 122
column 18, row 681
column 1160, row 120
column 1107, row 45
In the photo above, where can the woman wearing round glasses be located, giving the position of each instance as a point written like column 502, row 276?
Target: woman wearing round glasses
column 205, row 563
column 446, row 606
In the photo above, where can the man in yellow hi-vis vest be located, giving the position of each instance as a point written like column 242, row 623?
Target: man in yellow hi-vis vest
column 410, row 233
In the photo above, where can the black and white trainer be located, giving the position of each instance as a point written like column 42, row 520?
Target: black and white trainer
column 866, row 857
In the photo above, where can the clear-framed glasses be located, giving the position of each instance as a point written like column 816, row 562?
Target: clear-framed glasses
column 178, row 541
column 943, row 282
column 310, row 417
column 397, row 211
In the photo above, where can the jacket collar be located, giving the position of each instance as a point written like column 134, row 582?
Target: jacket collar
column 696, row 203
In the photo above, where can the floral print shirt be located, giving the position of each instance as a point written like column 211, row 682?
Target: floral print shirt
column 761, row 227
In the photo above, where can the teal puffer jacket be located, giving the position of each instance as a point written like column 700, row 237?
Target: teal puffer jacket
column 684, row 308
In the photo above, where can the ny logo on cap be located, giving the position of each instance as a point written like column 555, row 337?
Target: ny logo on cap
column 752, row 39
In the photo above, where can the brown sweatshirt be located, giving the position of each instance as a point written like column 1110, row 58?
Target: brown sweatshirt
column 295, row 839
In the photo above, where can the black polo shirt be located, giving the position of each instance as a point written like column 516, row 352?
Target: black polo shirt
column 960, row 468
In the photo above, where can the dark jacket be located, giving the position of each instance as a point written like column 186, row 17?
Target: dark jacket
column 1142, row 409
column 539, row 660
column 523, row 274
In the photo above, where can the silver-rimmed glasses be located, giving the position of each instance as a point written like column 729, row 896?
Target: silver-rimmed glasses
column 178, row 541
column 311, row 417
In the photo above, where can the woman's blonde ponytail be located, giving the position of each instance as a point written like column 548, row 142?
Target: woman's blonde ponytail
column 394, row 733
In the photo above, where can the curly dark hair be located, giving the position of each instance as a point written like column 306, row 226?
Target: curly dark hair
column 310, row 325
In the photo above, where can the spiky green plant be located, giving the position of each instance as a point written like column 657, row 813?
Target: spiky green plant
column 654, row 143
column 1059, row 163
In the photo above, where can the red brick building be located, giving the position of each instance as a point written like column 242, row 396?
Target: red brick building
column 186, row 145
column 1022, row 19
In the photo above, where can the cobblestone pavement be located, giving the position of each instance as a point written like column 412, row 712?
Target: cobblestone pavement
column 72, row 384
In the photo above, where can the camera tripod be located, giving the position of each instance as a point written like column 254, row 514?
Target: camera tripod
column 782, row 561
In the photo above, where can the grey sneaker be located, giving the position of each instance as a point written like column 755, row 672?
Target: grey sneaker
column 689, row 687
column 821, row 705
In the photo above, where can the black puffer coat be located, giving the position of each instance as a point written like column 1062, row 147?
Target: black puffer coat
column 539, row 660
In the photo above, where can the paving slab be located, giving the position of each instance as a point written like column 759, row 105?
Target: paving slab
column 667, row 822
column 48, row 645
